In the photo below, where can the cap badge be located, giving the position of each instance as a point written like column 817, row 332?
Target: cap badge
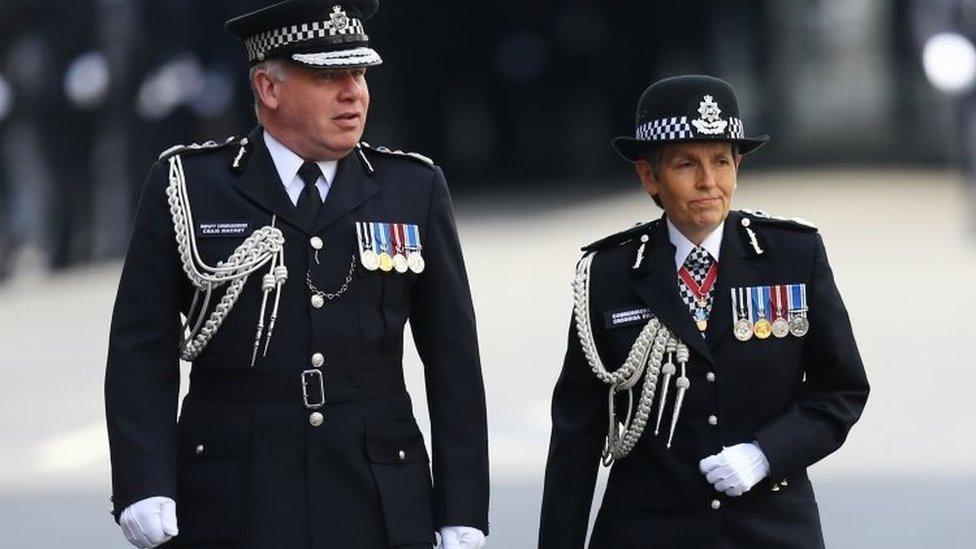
column 709, row 123
column 339, row 19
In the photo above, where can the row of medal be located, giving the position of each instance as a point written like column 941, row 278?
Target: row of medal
column 764, row 311
column 390, row 247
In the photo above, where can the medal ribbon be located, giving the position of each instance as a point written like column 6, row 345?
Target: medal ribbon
column 379, row 235
column 701, row 292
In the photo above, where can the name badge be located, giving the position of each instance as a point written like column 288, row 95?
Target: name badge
column 222, row 230
column 626, row 317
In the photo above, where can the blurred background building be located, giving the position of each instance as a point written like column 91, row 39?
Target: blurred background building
column 92, row 90
column 518, row 102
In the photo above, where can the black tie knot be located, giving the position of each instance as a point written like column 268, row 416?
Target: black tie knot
column 310, row 173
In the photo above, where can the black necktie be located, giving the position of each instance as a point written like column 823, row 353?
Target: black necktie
column 309, row 201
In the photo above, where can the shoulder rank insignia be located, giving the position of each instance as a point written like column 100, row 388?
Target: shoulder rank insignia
column 410, row 155
column 195, row 148
column 622, row 237
column 789, row 222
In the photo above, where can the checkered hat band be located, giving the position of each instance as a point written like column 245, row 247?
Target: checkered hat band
column 260, row 45
column 677, row 127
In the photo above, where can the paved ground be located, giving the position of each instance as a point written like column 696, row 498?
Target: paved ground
column 901, row 254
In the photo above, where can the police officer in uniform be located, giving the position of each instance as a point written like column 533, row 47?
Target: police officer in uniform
column 710, row 358
column 295, row 256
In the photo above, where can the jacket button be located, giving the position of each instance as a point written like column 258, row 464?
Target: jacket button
column 716, row 504
column 318, row 359
column 402, row 455
column 316, row 419
column 199, row 449
column 710, row 376
column 316, row 242
column 712, row 420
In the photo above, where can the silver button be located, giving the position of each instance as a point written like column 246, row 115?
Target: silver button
column 710, row 376
column 712, row 420
column 716, row 504
column 316, row 243
column 402, row 455
column 317, row 301
column 746, row 221
column 316, row 419
column 199, row 448
column 318, row 359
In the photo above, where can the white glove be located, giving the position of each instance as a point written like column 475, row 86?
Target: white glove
column 461, row 537
column 149, row 522
column 735, row 470
column 949, row 60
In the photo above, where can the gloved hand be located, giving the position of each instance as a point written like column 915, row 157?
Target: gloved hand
column 461, row 537
column 735, row 470
column 149, row 522
column 949, row 60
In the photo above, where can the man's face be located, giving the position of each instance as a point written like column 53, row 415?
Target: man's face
column 320, row 112
column 695, row 183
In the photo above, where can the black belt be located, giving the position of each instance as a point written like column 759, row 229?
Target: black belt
column 298, row 388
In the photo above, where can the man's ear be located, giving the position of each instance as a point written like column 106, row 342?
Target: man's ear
column 646, row 175
column 738, row 161
column 267, row 89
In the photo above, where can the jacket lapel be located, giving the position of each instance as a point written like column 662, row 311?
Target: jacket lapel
column 656, row 282
column 350, row 188
column 261, row 183
column 739, row 266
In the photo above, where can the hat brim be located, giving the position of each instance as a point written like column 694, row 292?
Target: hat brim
column 354, row 58
column 632, row 149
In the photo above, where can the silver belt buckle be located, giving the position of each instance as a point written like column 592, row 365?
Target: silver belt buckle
column 316, row 380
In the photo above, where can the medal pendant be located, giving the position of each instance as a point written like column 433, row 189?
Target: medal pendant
column 743, row 330
column 400, row 263
column 317, row 301
column 386, row 262
column 799, row 325
column 370, row 260
column 763, row 328
column 416, row 262
column 702, row 325
column 781, row 328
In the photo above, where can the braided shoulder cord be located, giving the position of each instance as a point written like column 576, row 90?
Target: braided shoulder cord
column 647, row 353
column 261, row 247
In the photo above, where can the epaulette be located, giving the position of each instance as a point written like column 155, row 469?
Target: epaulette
column 196, row 148
column 796, row 223
column 622, row 237
column 400, row 154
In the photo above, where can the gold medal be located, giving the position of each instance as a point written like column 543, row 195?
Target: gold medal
column 386, row 262
column 702, row 325
column 762, row 328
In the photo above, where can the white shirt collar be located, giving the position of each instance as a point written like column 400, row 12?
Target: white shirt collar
column 288, row 163
column 683, row 246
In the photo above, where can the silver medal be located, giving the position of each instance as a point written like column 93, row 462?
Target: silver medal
column 370, row 260
column 781, row 328
column 799, row 325
column 400, row 263
column 416, row 262
column 743, row 330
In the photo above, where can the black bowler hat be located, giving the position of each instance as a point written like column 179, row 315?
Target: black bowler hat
column 687, row 108
column 312, row 33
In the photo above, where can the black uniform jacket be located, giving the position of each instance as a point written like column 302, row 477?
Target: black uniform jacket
column 244, row 463
column 797, row 397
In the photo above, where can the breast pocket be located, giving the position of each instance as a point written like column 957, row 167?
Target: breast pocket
column 214, row 452
column 400, row 465
column 383, row 306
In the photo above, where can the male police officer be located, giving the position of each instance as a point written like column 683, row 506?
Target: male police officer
column 296, row 255
column 723, row 337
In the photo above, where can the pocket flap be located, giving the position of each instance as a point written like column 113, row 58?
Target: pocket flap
column 395, row 441
column 222, row 434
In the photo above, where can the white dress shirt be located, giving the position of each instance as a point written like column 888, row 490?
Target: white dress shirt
column 288, row 163
column 683, row 246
